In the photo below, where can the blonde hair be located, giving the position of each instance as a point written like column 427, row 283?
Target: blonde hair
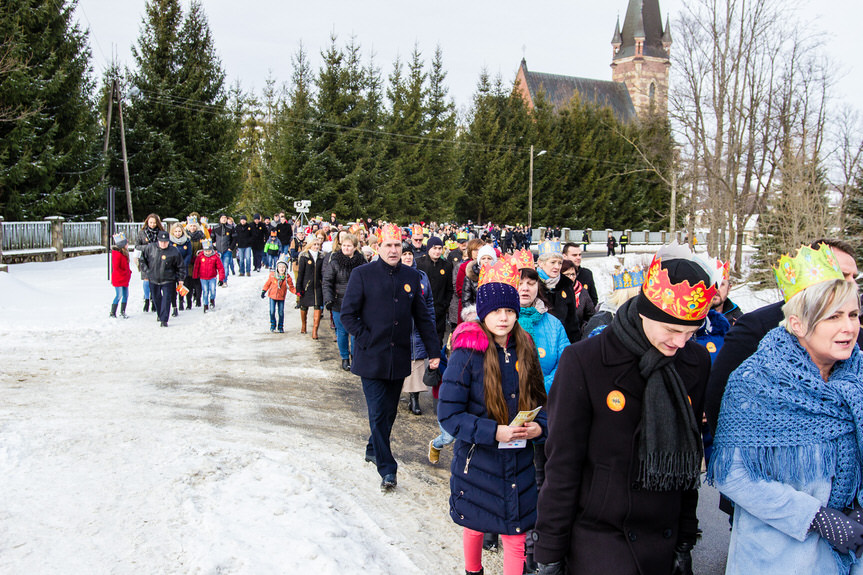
column 349, row 237
column 176, row 226
column 816, row 303
column 621, row 296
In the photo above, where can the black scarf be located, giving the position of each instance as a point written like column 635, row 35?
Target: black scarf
column 670, row 449
column 348, row 263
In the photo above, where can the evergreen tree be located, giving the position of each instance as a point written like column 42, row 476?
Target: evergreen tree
column 440, row 161
column 49, row 140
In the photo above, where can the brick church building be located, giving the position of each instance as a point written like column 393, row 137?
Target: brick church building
column 640, row 64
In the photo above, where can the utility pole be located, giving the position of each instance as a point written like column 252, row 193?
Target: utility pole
column 530, row 190
column 117, row 97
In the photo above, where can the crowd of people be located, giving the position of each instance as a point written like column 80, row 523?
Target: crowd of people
column 580, row 428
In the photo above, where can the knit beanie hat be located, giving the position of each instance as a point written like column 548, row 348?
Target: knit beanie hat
column 487, row 250
column 434, row 241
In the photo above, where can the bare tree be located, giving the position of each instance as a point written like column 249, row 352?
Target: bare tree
column 848, row 157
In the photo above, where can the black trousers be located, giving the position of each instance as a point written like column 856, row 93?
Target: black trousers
column 162, row 297
column 382, row 399
column 257, row 258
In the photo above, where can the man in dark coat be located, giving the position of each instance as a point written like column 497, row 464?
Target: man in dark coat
column 572, row 252
column 260, row 233
column 163, row 265
column 624, row 445
column 439, row 272
column 380, row 301
column 245, row 236
column 285, row 231
column 416, row 242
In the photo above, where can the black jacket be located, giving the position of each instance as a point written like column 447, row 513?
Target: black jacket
column 440, row 278
column 562, row 306
column 245, row 235
column 591, row 511
column 585, row 276
column 336, row 275
column 379, row 304
column 285, row 232
column 223, row 237
column 161, row 266
column 260, row 233
column 469, row 287
column 310, row 280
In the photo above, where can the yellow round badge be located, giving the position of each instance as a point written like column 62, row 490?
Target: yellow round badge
column 615, row 401
column 563, row 294
column 408, row 288
column 711, row 347
column 541, row 352
column 442, row 272
column 164, row 257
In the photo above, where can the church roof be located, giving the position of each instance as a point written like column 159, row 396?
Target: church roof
column 643, row 20
column 559, row 90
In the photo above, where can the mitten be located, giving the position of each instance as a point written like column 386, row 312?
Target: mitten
column 263, row 294
column 843, row 533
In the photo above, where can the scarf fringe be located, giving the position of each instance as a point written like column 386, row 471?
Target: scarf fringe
column 670, row 471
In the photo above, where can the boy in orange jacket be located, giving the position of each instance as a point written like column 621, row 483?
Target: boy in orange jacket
column 277, row 287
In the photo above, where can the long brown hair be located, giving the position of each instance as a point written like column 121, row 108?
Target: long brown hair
column 159, row 225
column 531, row 386
column 472, row 246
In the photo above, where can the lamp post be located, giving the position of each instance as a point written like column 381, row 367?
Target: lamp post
column 530, row 190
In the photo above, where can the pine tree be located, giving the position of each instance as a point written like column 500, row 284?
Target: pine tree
column 49, row 148
column 440, row 161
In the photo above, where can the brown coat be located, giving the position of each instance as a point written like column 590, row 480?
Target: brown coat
column 591, row 511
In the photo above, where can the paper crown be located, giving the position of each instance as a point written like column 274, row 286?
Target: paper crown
column 503, row 271
column 354, row 229
column 807, row 268
column 416, row 230
column 461, row 237
column 191, row 220
column 284, row 259
column 630, row 278
column 119, row 238
column 524, row 259
column 681, row 301
column 547, row 248
column 390, row 233
column 451, row 245
column 206, row 245
column 724, row 269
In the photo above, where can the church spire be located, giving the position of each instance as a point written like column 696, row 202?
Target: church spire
column 642, row 26
column 617, row 39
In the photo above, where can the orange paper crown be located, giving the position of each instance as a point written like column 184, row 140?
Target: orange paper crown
column 504, row 271
column 524, row 259
column 390, row 232
column 417, row 230
column 682, row 301
column 725, row 268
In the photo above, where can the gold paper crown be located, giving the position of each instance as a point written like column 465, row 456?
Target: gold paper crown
column 724, row 268
column 682, row 301
column 390, row 232
column 504, row 271
column 524, row 259
column 807, row 268
column 416, row 230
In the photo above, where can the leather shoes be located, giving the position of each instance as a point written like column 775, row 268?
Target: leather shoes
column 388, row 483
column 346, row 364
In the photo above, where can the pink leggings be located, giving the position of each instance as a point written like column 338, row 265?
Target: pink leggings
column 513, row 552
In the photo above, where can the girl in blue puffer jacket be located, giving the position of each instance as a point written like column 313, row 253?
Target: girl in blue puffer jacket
column 492, row 375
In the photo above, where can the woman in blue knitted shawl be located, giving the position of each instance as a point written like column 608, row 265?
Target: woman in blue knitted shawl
column 787, row 450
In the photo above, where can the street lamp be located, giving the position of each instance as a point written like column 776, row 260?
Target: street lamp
column 530, row 190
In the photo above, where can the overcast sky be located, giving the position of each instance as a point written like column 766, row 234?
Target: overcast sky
column 256, row 37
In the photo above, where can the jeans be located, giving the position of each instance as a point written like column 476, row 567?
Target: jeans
column 257, row 257
column 147, row 295
column 443, row 439
column 227, row 262
column 121, row 294
column 162, row 297
column 382, row 398
column 208, row 287
column 343, row 337
column 244, row 255
column 277, row 306
column 270, row 260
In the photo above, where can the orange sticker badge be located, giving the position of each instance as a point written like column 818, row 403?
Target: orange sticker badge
column 711, row 347
column 164, row 257
column 442, row 272
column 563, row 294
column 408, row 288
column 541, row 352
column 615, row 401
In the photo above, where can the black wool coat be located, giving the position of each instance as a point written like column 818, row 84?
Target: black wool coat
column 336, row 274
column 245, row 235
column 440, row 278
column 592, row 512
column 562, row 306
column 380, row 302
column 310, row 281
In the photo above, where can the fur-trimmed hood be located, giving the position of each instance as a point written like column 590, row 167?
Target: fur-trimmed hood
column 471, row 270
column 469, row 335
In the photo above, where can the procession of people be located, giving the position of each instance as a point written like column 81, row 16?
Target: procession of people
column 580, row 426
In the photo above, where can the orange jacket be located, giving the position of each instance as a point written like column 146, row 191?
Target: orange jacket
column 278, row 290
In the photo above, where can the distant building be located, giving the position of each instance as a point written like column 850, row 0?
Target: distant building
column 641, row 61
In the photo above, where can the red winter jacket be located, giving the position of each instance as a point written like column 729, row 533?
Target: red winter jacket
column 207, row 266
column 120, row 270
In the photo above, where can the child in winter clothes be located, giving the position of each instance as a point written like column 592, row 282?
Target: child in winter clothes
column 277, row 287
column 209, row 269
column 271, row 250
column 121, row 273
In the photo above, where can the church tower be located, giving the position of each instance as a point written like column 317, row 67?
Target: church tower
column 642, row 57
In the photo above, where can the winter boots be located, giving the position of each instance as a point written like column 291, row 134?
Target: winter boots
column 346, row 364
column 414, row 403
column 206, row 308
column 316, row 323
column 303, row 315
column 153, row 306
column 434, row 453
column 212, row 304
column 146, row 305
column 174, row 313
column 123, row 311
column 181, row 303
column 113, row 310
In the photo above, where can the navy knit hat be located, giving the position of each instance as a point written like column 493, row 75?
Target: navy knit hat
column 434, row 241
column 495, row 295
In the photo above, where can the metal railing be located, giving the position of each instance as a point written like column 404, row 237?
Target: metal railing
column 27, row 236
column 82, row 234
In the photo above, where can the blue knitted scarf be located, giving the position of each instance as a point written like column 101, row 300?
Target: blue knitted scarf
column 790, row 425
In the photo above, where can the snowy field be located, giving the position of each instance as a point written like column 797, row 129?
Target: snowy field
column 208, row 447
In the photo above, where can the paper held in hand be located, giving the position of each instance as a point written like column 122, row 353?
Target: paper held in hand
column 520, row 419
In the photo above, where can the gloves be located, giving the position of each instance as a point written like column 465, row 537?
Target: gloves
column 220, row 282
column 555, row 568
column 263, row 294
column 843, row 533
column 856, row 513
column 682, row 559
column 329, row 305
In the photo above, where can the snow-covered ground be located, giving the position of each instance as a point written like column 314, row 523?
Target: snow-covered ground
column 212, row 446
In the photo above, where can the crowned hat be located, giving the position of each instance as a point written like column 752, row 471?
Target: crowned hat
column 390, row 232
column 498, row 287
column 549, row 248
column 451, row 245
column 678, row 287
column 628, row 278
column 524, row 259
column 461, row 237
column 206, row 245
column 120, row 239
column 284, row 259
column 416, row 230
column 805, row 269
column 191, row 220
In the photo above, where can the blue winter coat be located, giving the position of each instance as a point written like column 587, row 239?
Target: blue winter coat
column 491, row 490
column 550, row 339
column 418, row 350
column 380, row 305
column 185, row 249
